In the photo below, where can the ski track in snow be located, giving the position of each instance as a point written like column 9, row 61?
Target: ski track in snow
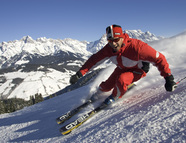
column 146, row 114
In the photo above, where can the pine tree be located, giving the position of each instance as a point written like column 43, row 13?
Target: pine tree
column 10, row 106
column 38, row 98
column 2, row 107
column 32, row 100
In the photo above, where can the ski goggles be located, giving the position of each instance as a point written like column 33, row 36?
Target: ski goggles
column 113, row 40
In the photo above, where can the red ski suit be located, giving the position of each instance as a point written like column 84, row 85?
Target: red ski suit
column 129, row 64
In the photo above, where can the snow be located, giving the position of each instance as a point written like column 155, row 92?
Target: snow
column 145, row 114
column 47, row 83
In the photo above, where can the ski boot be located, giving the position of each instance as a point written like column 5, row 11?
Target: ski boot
column 109, row 100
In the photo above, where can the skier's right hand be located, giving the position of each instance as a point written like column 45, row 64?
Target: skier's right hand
column 74, row 78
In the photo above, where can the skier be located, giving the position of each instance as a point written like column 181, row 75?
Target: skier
column 132, row 58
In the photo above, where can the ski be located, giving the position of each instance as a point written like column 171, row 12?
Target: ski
column 76, row 123
column 61, row 119
column 69, row 114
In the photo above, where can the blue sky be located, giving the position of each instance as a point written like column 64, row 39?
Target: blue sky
column 87, row 19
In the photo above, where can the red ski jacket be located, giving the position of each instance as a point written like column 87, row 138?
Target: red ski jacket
column 130, row 57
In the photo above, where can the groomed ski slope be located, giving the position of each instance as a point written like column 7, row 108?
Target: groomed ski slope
column 145, row 114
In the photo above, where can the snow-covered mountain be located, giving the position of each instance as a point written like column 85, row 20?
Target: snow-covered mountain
column 44, row 65
column 32, row 51
column 146, row 114
column 146, row 37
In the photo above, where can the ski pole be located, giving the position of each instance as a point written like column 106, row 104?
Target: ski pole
column 180, row 80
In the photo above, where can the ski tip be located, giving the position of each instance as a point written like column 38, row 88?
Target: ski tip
column 65, row 132
column 59, row 121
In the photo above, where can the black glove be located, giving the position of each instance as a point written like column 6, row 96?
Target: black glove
column 170, row 85
column 75, row 78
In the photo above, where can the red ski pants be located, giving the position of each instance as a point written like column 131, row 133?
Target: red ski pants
column 119, row 81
